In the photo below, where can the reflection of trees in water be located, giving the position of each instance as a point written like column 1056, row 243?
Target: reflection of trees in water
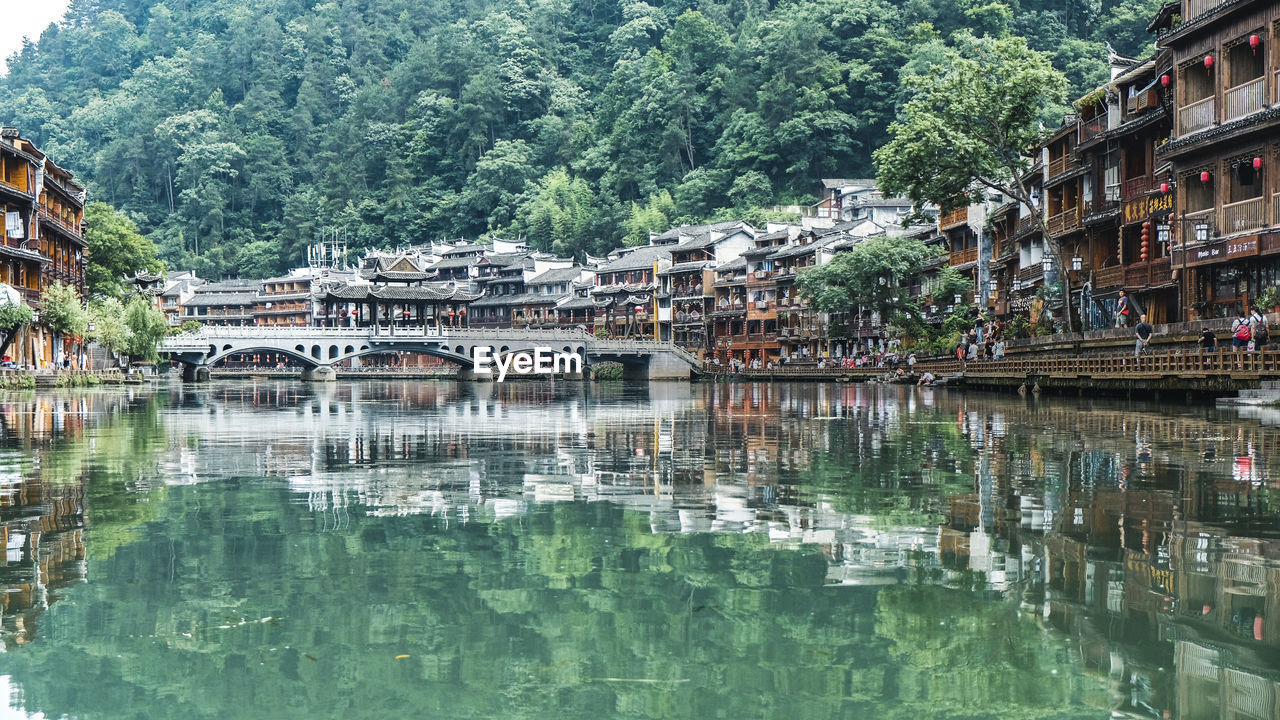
column 572, row 610
column 80, row 454
column 1079, row 508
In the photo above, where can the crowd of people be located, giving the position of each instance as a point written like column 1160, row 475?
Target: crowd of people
column 986, row 341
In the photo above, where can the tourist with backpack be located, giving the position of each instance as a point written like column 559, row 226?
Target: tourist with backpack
column 1258, row 329
column 1240, row 333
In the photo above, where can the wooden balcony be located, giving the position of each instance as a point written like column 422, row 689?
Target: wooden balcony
column 1109, row 277
column 61, row 222
column 1061, row 165
column 955, row 218
column 1241, row 216
column 1064, row 222
column 1147, row 274
column 1024, row 225
column 1196, row 116
column 1196, row 8
column 1032, row 273
column 4, row 182
column 1244, row 99
column 960, row 257
column 1090, row 129
column 1133, row 187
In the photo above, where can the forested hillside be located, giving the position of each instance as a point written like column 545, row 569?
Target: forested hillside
column 233, row 131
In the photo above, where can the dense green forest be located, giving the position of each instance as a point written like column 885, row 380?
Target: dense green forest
column 234, row 132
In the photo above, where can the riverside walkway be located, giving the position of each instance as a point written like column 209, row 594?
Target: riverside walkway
column 1171, row 369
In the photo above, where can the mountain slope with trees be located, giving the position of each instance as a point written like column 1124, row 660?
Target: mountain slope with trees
column 233, row 131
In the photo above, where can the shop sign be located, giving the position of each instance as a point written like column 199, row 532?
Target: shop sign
column 1140, row 209
column 1241, row 247
column 1218, row 251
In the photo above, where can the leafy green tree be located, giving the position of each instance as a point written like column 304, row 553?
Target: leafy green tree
column 147, row 327
column 873, row 277
column 751, row 190
column 969, row 123
column 556, row 215
column 115, row 250
column 109, row 327
column 62, row 309
column 655, row 216
column 13, row 317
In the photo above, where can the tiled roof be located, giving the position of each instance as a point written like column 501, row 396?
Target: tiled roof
column 638, row 259
column 220, row 299
column 557, row 275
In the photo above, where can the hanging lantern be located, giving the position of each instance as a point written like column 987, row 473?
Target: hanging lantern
column 1205, row 176
column 1257, row 163
column 1164, row 188
column 1146, row 240
column 1254, row 42
column 1076, row 262
column 1164, row 80
column 956, row 299
column 1208, row 62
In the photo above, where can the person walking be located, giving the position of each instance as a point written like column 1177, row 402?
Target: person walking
column 1258, row 331
column 1143, row 332
column 1208, row 342
column 1240, row 333
column 1122, row 310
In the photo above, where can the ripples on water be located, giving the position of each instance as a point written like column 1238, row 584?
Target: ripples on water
column 667, row 550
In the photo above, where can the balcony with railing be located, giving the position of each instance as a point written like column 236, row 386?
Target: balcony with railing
column 1196, row 8
column 64, row 223
column 1244, row 99
column 17, row 183
column 1109, row 277
column 1241, row 216
column 1092, row 128
column 1025, row 224
column 955, row 218
column 1032, row 273
column 1135, row 186
column 961, row 257
column 1147, row 274
column 1061, row 165
column 1196, row 116
column 1065, row 221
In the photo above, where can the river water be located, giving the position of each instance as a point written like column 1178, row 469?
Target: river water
column 374, row 550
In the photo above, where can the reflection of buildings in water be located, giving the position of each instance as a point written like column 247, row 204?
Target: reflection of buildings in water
column 41, row 526
column 1144, row 557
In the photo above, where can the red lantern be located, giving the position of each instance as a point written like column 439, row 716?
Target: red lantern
column 1164, row 188
column 1205, row 176
column 1254, row 41
column 1257, row 163
column 1208, row 62
column 463, row 311
column 1164, row 81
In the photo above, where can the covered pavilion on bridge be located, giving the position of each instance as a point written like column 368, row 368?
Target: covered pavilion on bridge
column 396, row 292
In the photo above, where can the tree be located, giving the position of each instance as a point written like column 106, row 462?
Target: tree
column 115, row 249
column 61, row 309
column 13, row 316
column 872, row 277
column 109, row 327
column 970, row 122
column 147, row 327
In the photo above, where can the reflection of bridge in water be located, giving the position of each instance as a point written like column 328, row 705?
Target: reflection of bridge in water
column 320, row 349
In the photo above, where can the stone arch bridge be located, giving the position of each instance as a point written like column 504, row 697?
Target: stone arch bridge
column 318, row 349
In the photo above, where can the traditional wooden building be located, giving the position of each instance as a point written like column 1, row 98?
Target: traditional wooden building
column 395, row 292
column 1224, row 150
column 626, row 291
column 43, row 240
